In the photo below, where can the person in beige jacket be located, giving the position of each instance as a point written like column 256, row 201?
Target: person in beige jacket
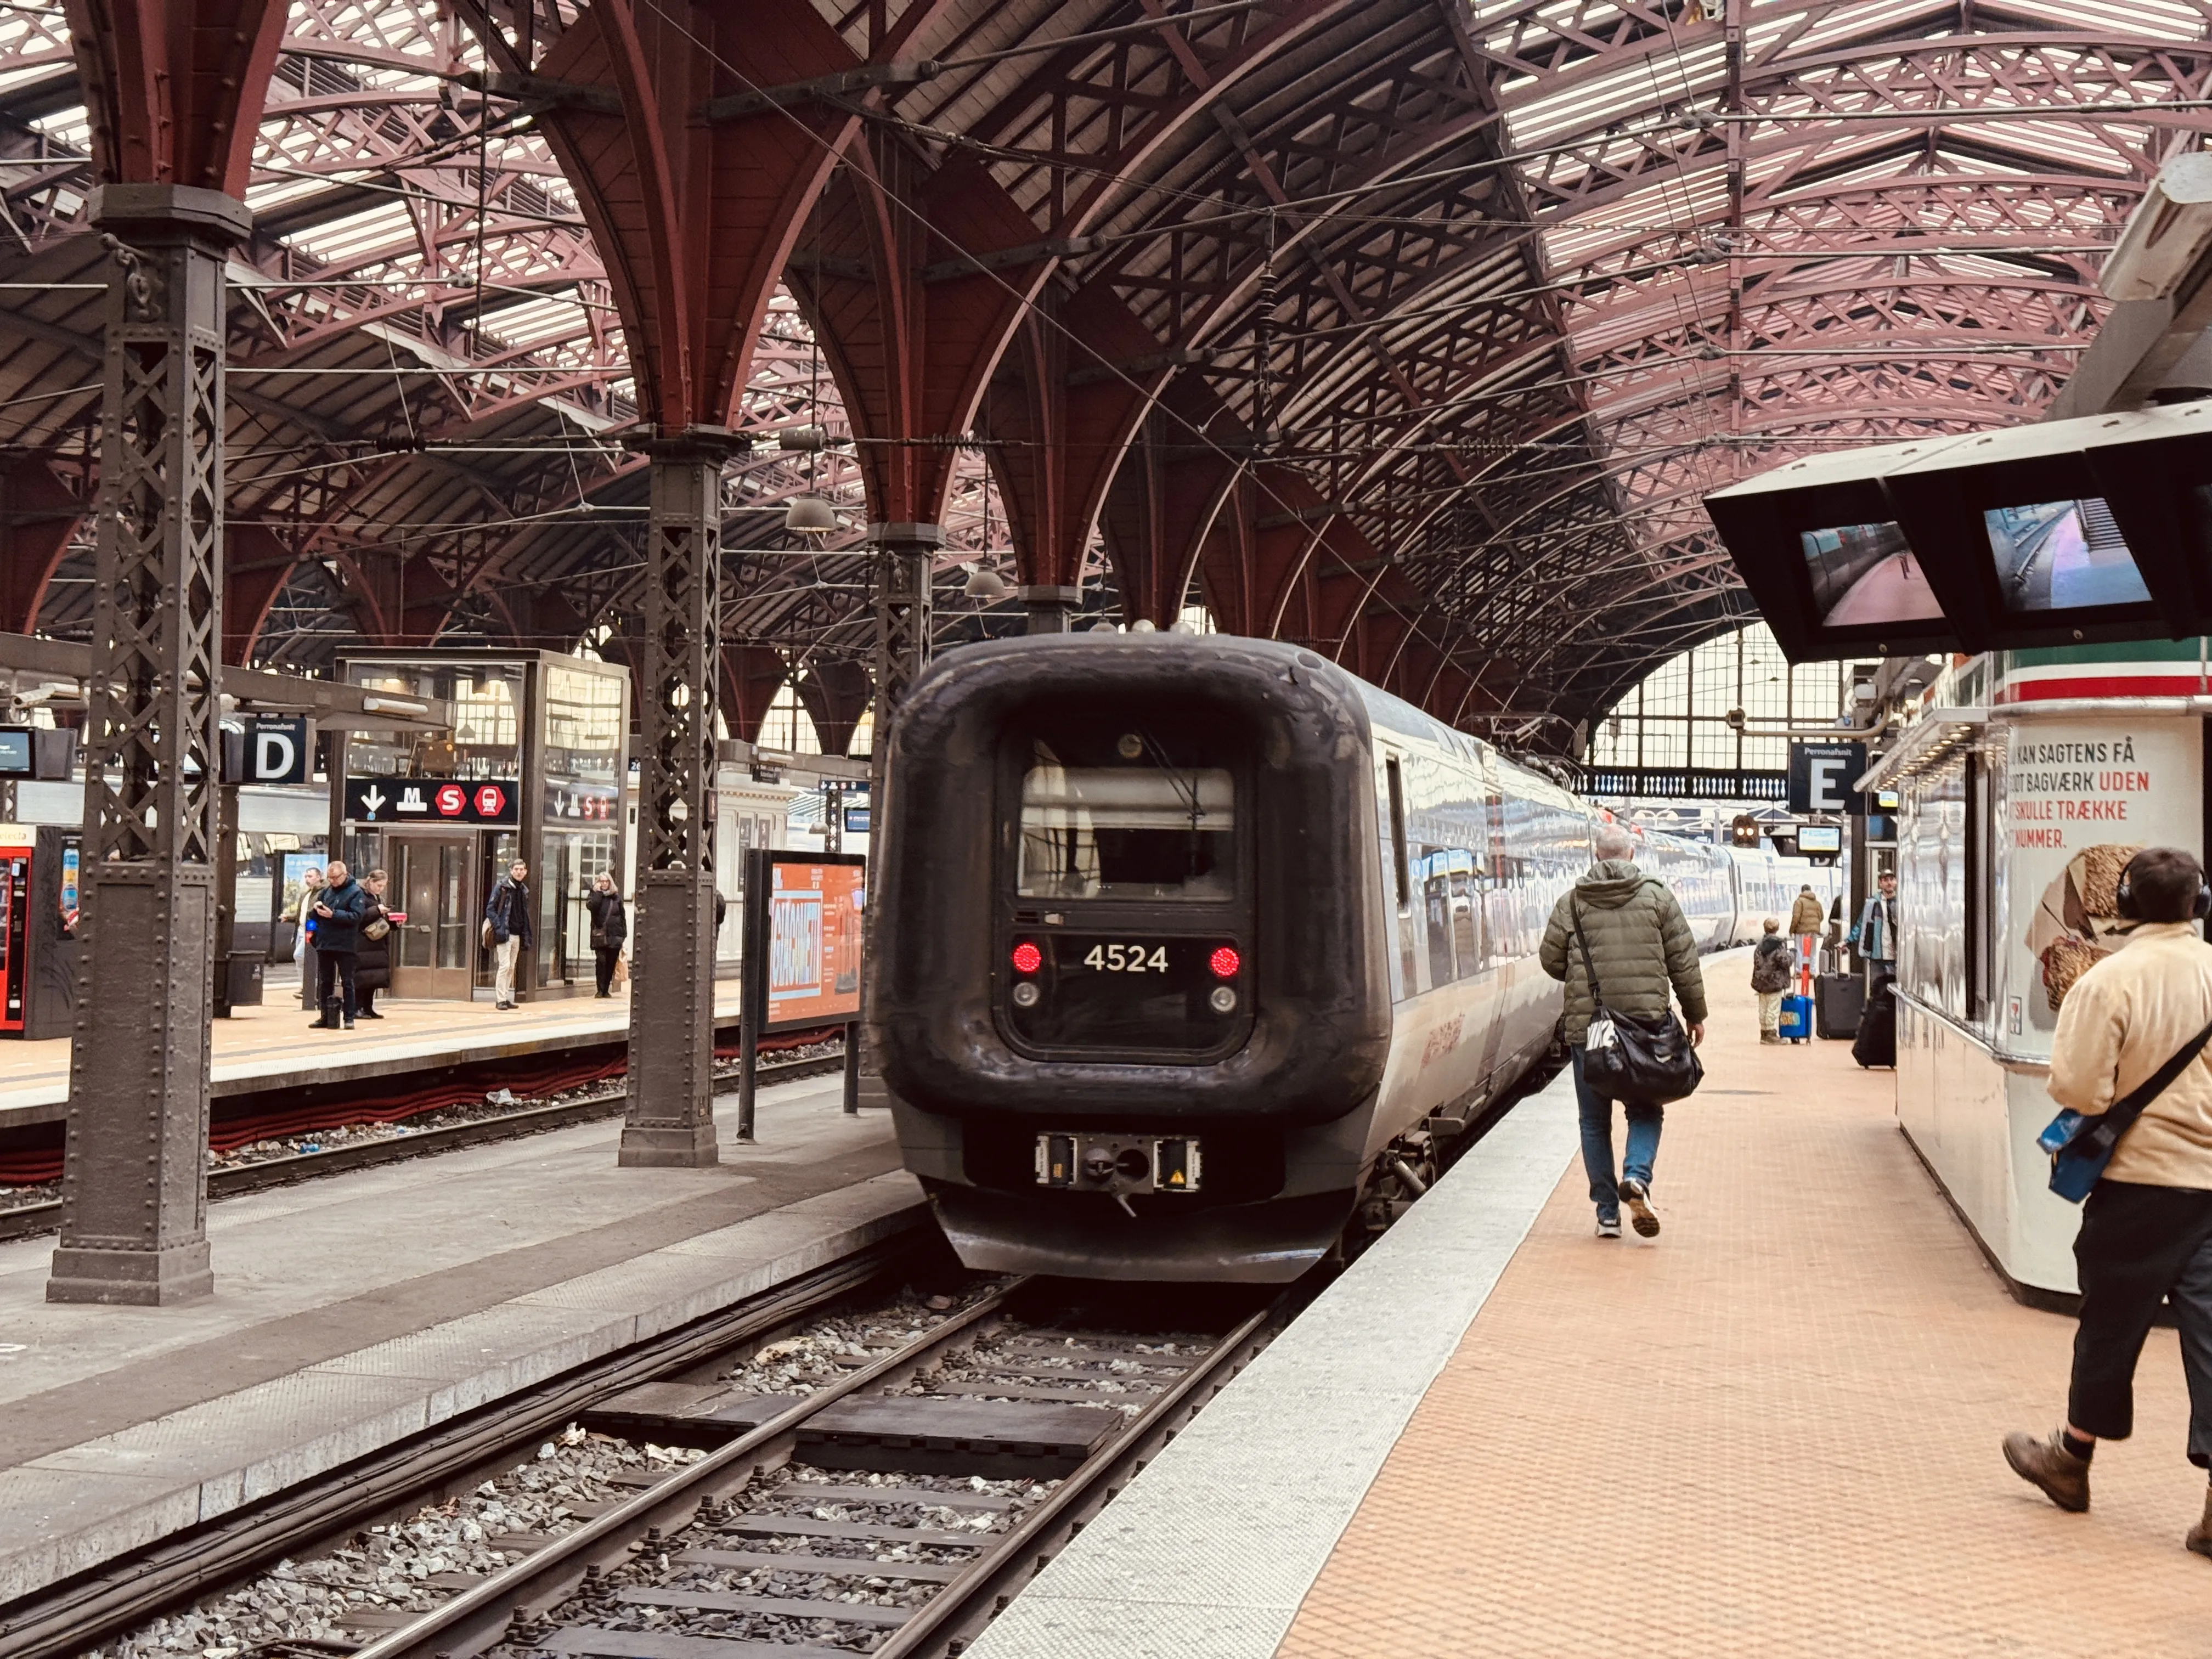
column 2147, row 1229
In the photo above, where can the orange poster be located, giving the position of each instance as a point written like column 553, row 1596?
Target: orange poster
column 814, row 942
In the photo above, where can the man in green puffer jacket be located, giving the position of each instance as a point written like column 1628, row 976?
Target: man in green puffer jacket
column 1641, row 949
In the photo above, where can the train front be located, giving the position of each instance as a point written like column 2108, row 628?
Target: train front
column 1128, row 993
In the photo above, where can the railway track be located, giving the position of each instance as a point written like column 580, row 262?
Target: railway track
column 863, row 1512
column 71, row 1617
column 27, row 1220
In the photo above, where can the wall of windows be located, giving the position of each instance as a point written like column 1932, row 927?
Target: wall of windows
column 1678, row 715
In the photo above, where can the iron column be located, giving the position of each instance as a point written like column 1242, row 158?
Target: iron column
column 134, row 1182
column 1051, row 609
column 670, row 1118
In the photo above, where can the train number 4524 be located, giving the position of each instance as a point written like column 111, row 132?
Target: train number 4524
column 1127, row 958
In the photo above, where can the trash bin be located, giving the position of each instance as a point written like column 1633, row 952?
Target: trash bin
column 239, row 985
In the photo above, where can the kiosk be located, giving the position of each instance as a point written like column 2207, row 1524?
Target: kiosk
column 2023, row 790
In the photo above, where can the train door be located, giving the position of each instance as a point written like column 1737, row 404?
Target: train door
column 436, row 946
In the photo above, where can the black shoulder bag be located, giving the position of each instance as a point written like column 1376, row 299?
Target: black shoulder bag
column 1645, row 1058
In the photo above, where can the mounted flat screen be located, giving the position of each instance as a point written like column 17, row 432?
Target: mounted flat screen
column 1819, row 838
column 1865, row 574
column 17, row 757
column 2062, row 556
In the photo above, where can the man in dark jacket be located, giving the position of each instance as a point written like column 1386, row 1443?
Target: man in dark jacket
column 340, row 910
column 1641, row 949
column 507, row 916
column 610, row 928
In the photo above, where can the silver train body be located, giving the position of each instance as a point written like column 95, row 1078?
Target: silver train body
column 1077, row 1093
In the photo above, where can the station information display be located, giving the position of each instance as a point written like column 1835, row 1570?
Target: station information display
column 803, row 931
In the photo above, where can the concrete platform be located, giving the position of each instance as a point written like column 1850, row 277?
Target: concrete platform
column 352, row 1311
column 1771, row 1431
column 271, row 1046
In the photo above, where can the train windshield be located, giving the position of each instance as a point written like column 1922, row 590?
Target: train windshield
column 1144, row 831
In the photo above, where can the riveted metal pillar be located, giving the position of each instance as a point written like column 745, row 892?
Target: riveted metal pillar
column 134, row 1183
column 1052, row 609
column 670, row 1118
column 903, row 614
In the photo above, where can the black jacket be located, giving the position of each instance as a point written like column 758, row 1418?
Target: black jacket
column 373, row 971
column 509, row 912
column 339, row 933
column 610, row 924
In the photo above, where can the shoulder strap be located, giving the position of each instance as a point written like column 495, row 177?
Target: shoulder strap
column 2120, row 1116
column 1590, row 973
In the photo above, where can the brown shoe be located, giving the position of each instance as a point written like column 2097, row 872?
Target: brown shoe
column 2200, row 1536
column 2063, row 1477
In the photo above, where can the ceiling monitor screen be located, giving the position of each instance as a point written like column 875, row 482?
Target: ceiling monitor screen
column 2062, row 556
column 1866, row 573
column 1819, row 838
column 16, row 754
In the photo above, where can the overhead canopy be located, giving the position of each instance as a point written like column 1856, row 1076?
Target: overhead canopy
column 1441, row 318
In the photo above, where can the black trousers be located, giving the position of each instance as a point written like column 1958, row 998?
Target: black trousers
column 604, row 957
column 339, row 965
column 2137, row 1245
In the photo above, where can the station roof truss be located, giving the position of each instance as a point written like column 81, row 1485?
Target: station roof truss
column 1414, row 330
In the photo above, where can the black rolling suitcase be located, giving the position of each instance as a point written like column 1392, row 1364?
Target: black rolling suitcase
column 1838, row 1003
column 1876, row 1042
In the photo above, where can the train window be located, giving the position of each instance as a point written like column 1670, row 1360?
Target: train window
column 1398, row 832
column 1128, row 832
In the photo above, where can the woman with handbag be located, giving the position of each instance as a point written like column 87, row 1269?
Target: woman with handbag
column 610, row 928
column 1620, row 942
column 373, row 957
column 2130, row 1066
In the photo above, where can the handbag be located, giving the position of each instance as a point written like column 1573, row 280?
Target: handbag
column 2081, row 1147
column 484, row 933
column 1645, row 1058
column 375, row 928
column 621, row 974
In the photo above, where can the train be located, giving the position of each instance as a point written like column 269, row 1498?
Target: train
column 1189, row 943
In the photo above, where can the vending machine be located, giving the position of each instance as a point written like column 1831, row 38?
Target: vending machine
column 38, row 943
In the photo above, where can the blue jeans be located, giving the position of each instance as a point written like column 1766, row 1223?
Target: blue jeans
column 1597, row 1142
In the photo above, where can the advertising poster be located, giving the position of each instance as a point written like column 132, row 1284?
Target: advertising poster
column 814, row 913
column 2081, row 799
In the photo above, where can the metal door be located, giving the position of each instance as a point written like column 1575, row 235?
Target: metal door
column 435, row 952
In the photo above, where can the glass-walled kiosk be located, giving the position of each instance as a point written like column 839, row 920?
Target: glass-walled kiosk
column 534, row 768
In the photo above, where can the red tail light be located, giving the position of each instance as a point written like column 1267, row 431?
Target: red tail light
column 1225, row 961
column 1027, row 957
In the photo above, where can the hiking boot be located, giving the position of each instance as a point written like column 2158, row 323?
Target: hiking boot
column 2200, row 1536
column 1769, row 1037
column 1608, row 1226
column 1635, row 1194
column 2063, row 1477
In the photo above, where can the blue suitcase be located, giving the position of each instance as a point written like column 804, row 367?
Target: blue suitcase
column 1796, row 1018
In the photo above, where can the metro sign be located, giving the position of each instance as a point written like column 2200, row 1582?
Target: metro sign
column 399, row 801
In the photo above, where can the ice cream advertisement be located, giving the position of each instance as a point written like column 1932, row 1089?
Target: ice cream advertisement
column 2080, row 799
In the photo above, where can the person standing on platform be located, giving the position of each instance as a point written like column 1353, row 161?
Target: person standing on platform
column 2147, row 1228
column 1876, row 937
column 610, row 928
column 340, row 909
column 310, row 887
column 373, row 970
column 1805, row 912
column 508, row 930
column 1640, row 947
column 1770, row 964
column 1805, row 920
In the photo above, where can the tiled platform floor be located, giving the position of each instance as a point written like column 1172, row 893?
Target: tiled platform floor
column 1773, row 1430
column 258, row 1045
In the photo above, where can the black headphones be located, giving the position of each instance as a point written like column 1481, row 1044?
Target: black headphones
column 2125, row 894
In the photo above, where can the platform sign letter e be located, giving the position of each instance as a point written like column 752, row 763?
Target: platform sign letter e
column 1821, row 776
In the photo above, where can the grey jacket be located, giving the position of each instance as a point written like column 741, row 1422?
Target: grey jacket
column 1639, row 944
